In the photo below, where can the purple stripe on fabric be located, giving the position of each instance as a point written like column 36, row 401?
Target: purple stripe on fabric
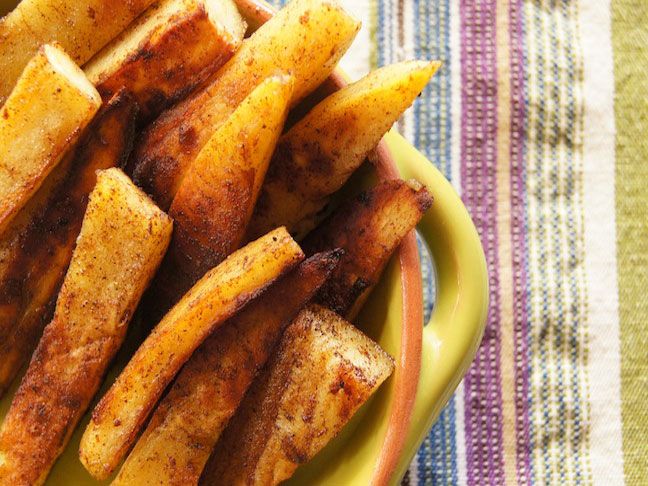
column 519, row 244
column 483, row 401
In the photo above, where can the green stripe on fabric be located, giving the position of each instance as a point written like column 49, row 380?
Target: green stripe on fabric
column 630, row 44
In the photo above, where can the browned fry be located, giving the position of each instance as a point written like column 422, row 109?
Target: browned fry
column 323, row 370
column 304, row 39
column 317, row 155
column 187, row 423
column 368, row 229
column 167, row 51
column 217, row 196
column 44, row 116
column 123, row 410
column 36, row 250
column 102, row 286
column 81, row 27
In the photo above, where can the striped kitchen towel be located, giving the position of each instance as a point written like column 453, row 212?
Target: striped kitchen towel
column 539, row 118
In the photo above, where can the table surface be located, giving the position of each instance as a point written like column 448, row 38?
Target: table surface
column 539, row 118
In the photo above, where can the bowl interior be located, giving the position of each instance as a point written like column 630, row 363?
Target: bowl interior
column 350, row 457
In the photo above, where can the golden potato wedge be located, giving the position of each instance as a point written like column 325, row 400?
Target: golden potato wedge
column 81, row 27
column 316, row 156
column 305, row 39
column 217, row 196
column 36, row 249
column 44, row 116
column 323, row 371
column 254, row 13
column 123, row 410
column 122, row 240
column 368, row 229
column 167, row 51
column 188, row 421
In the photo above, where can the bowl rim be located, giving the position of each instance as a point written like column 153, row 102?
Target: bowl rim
column 408, row 363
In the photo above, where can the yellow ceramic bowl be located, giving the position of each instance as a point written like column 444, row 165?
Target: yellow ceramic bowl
column 376, row 447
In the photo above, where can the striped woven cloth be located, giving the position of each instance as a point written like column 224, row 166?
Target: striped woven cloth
column 539, row 118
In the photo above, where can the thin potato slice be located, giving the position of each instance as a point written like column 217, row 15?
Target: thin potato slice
column 121, row 243
column 304, row 39
column 121, row 413
column 36, row 249
column 316, row 156
column 368, row 229
column 167, row 51
column 44, row 115
column 81, row 27
column 322, row 372
column 217, row 196
column 187, row 423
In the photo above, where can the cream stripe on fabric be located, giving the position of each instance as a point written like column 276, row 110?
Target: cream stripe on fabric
column 455, row 86
column 412, row 472
column 600, row 242
column 356, row 62
column 507, row 354
column 462, row 475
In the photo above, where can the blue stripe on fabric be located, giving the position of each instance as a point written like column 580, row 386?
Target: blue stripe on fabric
column 432, row 117
column 380, row 33
column 437, row 458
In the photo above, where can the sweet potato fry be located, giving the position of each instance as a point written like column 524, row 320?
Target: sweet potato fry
column 81, row 27
column 187, row 423
column 167, row 51
column 44, row 116
column 36, row 249
column 103, row 284
column 122, row 411
column 217, row 196
column 368, row 229
column 322, row 372
column 305, row 39
column 317, row 155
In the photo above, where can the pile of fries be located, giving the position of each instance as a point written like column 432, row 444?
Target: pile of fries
column 160, row 165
